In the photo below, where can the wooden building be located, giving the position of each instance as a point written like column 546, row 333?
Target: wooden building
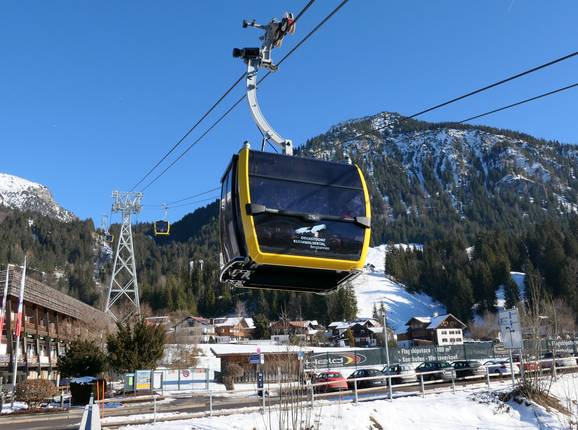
column 229, row 329
column 284, row 363
column 50, row 320
column 192, row 330
column 304, row 330
column 440, row 330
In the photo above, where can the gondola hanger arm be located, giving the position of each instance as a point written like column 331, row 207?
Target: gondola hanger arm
column 275, row 31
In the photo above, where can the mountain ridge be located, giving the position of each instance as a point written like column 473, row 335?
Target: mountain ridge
column 453, row 173
column 25, row 195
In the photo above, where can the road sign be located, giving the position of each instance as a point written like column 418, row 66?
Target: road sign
column 260, row 379
column 257, row 359
column 510, row 328
column 499, row 349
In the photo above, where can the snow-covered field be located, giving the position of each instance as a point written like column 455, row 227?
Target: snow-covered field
column 373, row 287
column 468, row 409
column 8, row 409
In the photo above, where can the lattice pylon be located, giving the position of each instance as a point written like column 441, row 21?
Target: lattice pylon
column 123, row 295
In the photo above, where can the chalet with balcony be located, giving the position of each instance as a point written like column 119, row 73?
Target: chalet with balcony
column 50, row 320
column 366, row 332
column 192, row 330
column 302, row 329
column 231, row 329
column 442, row 330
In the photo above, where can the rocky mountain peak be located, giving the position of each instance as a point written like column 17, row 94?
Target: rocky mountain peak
column 22, row 194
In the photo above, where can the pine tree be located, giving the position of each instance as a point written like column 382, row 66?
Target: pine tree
column 135, row 345
column 262, row 330
column 511, row 293
column 83, row 358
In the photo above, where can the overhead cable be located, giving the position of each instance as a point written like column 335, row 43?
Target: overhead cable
column 549, row 93
column 202, row 118
column 228, row 111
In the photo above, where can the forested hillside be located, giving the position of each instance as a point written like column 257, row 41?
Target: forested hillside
column 429, row 179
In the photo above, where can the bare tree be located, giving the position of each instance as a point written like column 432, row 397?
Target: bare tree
column 486, row 328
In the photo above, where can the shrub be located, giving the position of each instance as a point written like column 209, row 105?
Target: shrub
column 83, row 358
column 232, row 371
column 35, row 391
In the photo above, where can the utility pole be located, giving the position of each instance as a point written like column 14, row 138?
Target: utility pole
column 123, row 282
column 385, row 340
column 4, row 298
column 18, row 330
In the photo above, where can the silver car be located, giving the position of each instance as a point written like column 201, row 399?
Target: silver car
column 562, row 360
column 401, row 373
column 500, row 366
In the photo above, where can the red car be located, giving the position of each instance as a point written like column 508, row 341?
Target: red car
column 529, row 365
column 333, row 381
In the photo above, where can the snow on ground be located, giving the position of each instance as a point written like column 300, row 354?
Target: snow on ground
column 518, row 278
column 8, row 409
column 469, row 409
column 565, row 389
column 373, row 287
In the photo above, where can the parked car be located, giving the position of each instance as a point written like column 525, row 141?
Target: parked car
column 366, row 383
column 500, row 366
column 334, row 382
column 432, row 366
column 530, row 365
column 404, row 373
column 562, row 359
column 465, row 368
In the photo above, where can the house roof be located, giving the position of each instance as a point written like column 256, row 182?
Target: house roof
column 364, row 322
column 436, row 321
column 423, row 320
column 200, row 320
column 340, row 325
column 233, row 321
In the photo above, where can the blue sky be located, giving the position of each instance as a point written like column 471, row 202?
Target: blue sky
column 93, row 93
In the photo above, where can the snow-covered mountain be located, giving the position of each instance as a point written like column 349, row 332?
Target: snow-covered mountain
column 450, row 172
column 373, row 287
column 22, row 194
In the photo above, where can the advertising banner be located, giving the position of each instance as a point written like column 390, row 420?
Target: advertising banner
column 143, row 379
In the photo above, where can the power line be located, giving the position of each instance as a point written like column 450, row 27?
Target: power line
column 194, row 143
column 195, row 195
column 201, row 119
column 469, row 94
column 190, row 130
column 495, row 84
column 549, row 93
column 154, row 207
column 195, row 202
column 518, row 75
column 299, row 44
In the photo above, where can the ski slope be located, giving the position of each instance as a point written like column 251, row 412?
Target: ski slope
column 373, row 287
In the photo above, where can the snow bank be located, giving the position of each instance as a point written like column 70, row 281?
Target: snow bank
column 373, row 287
column 470, row 409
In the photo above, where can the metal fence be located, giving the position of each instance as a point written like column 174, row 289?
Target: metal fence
column 467, row 351
column 168, row 380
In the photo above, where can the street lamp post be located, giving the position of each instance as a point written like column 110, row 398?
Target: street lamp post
column 384, row 316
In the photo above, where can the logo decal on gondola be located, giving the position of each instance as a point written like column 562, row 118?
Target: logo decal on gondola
column 309, row 236
column 311, row 230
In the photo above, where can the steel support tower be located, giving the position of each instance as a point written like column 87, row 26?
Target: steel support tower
column 123, row 296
